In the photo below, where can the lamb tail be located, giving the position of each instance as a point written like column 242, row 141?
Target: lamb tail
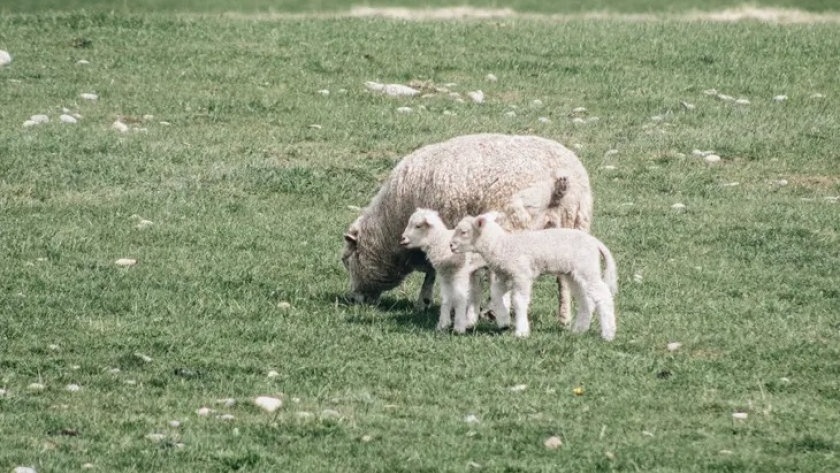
column 611, row 272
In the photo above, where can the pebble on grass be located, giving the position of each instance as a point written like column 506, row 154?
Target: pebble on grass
column 449, row 113
column 125, row 262
column 782, row 182
column 518, row 388
column 40, row 118
column 578, row 391
column 739, row 415
column 678, row 206
column 711, row 158
column 88, row 466
column 510, row 114
column 404, row 110
column 544, row 120
column 638, row 278
column 780, row 98
column 742, row 102
column 284, row 305
column 120, row 126
column 36, row 387
column 29, row 123
column 88, row 96
column 611, row 152
column 537, row 103
column 83, row 62
column 268, row 404
column 204, row 411
column 471, row 419
column 726, row 98
column 579, row 110
column 315, row 126
column 273, row 374
column 324, row 92
column 491, row 78
column 174, row 424
column 24, row 469
column 674, row 346
column 226, row 417
column 687, row 106
column 143, row 357
column 394, row 90
column 609, row 167
column 73, row 388
column 5, row 58
column 67, row 119
column 157, row 438
column 817, row 96
column 366, row 438
column 553, row 443
column 476, row 96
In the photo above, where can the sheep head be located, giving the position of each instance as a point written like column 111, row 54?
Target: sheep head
column 420, row 224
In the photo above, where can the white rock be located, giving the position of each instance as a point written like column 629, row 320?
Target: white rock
column 577, row 146
column 449, row 113
column 67, row 119
column 268, row 404
column 83, row 62
column 609, row 167
column 459, row 100
column 592, row 119
column 366, row 438
column 315, row 126
column 65, row 110
column 125, row 262
column 40, row 118
column 785, row 380
column 726, row 98
column 24, row 469
column 491, row 78
column 88, row 466
column 229, row 402
column 712, row 92
column 342, row 91
column 394, row 90
column 537, row 103
column 155, row 437
column 657, row 118
column 114, row 370
column 145, row 358
column 284, row 305
column 296, row 400
column 88, row 96
column 697, row 152
column 204, row 411
column 73, row 388
column 143, row 223
column 739, row 415
column 324, row 92
column 780, row 98
column 730, row 184
column 742, row 102
column 678, row 206
column 404, row 110
column 36, row 387
column 782, row 182
column 174, row 424
column 817, row 96
column 120, row 126
column 29, row 123
column 711, row 158
column 165, row 123
column 579, row 110
column 553, row 443
column 638, row 278
column 3, row 393
column 544, row 120
column 476, row 96
column 130, row 382
column 510, row 114
column 674, row 346
column 688, row 106
column 578, row 120
column 5, row 58
column 518, row 388
column 273, row 374
column 53, row 347
column 611, row 152
column 227, row 417
column 471, row 419
column 148, row 117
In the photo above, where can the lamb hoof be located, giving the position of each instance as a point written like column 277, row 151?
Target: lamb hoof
column 442, row 327
column 423, row 304
column 608, row 336
column 460, row 330
column 522, row 333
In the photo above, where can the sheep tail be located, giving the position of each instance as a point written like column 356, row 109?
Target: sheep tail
column 611, row 272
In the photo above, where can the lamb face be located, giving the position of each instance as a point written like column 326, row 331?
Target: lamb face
column 416, row 233
column 465, row 235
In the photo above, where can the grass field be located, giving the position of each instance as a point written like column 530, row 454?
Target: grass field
column 248, row 203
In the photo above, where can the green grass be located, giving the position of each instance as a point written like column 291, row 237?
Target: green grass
column 249, row 204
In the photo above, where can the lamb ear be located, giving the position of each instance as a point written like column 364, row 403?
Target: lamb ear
column 352, row 237
column 480, row 221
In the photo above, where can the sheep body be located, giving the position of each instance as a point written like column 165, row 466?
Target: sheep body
column 534, row 182
column 517, row 259
column 460, row 281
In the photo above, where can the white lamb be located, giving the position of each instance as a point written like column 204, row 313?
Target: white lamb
column 460, row 279
column 518, row 258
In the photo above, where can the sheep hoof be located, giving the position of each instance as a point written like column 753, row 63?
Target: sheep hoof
column 442, row 327
column 423, row 304
column 522, row 333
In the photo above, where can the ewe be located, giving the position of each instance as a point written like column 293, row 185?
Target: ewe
column 534, row 182
column 518, row 258
column 460, row 281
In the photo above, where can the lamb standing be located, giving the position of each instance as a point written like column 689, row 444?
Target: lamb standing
column 460, row 285
column 466, row 175
column 517, row 259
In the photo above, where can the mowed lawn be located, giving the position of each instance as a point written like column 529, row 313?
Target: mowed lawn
column 237, row 290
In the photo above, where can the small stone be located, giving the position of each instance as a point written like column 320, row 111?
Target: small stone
column 315, row 126
column 449, row 113
column 204, row 411
column 229, row 402
column 611, row 152
column 88, row 466
column 638, row 278
column 157, row 438
column 491, row 78
column 88, row 96
column 143, row 357
column 553, row 443
column 578, row 391
column 725, row 452
column 73, row 388
column 579, row 110
column 148, row 117
column 366, row 438
column 785, row 380
column 114, row 371
column 40, row 118
column 510, row 114
column 296, row 400
column 285, row 305
column 473, row 465
column 544, row 120
column 226, row 417
column 29, row 123
column 609, row 455
column 476, row 96
column 518, row 388
column 24, row 469
column 174, row 424
column 53, row 347
column 712, row 92
column 780, row 98
column 730, row 184
column 817, row 96
column 165, row 123
column 726, row 98
column 125, row 262
column 742, row 102
column 324, row 92
column 687, row 106
column 711, row 158
column 130, row 382
column 404, row 110
column 120, row 126
column 782, row 182
column 697, row 152
column 394, row 90
column 674, row 346
column 578, row 120
column 577, row 146
column 739, row 415
column 678, row 206
column 5, row 58
column 273, row 374
column 657, row 118
column 36, row 387
column 268, row 404
column 647, row 433
column 83, row 62
column 471, row 419
column 143, row 223
column 67, row 119
column 609, row 167
column 537, row 103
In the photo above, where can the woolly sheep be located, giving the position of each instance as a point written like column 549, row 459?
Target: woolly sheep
column 517, row 259
column 467, row 175
column 460, row 285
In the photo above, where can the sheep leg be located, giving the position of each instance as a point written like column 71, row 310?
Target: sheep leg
column 584, row 315
column 606, row 309
column 521, row 301
column 460, row 296
column 474, row 299
column 426, row 291
column 564, row 295
column 445, row 320
column 500, row 301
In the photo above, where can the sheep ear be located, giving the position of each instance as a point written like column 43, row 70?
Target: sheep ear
column 480, row 221
column 352, row 237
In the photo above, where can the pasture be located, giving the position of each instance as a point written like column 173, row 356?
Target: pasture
column 231, row 185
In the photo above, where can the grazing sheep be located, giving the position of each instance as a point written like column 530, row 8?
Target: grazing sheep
column 534, row 182
column 460, row 285
column 518, row 258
